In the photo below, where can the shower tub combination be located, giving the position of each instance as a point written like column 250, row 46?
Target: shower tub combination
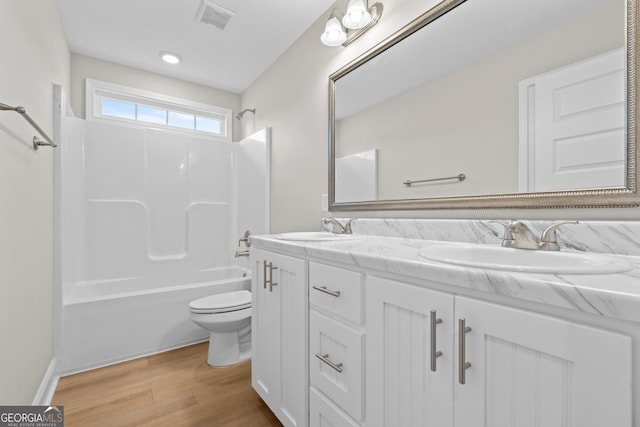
column 149, row 220
column 111, row 321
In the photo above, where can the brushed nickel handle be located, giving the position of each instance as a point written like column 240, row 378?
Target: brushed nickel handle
column 463, row 365
column 325, row 359
column 434, row 353
column 327, row 291
column 264, row 274
column 271, row 283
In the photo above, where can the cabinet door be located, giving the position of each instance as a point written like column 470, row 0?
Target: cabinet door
column 265, row 331
column 528, row 369
column 279, row 338
column 402, row 388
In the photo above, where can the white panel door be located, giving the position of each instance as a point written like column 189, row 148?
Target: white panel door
column 575, row 126
column 402, row 388
column 528, row 369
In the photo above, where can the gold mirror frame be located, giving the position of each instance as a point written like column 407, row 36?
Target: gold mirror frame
column 591, row 198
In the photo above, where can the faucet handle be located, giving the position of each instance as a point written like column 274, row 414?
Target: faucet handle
column 245, row 239
column 549, row 239
column 508, row 228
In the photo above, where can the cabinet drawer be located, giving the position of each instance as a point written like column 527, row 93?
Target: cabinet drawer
column 336, row 364
column 323, row 412
column 336, row 290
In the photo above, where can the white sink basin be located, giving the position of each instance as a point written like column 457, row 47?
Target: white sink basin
column 532, row 261
column 315, row 236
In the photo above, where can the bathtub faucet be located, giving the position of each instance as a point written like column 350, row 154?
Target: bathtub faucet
column 241, row 253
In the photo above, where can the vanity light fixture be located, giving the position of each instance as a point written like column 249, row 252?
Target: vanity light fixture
column 358, row 18
column 170, row 57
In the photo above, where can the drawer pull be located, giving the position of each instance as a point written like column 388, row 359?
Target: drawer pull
column 325, row 359
column 327, row 291
column 463, row 365
column 434, row 353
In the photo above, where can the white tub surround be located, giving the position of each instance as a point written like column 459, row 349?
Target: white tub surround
column 366, row 295
column 149, row 220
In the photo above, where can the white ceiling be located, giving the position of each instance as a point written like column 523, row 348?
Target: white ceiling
column 133, row 32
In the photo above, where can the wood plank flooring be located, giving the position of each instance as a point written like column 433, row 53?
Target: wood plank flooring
column 176, row 388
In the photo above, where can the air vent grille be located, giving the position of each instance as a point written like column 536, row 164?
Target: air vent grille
column 213, row 14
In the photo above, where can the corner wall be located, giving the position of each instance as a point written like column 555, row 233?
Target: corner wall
column 36, row 56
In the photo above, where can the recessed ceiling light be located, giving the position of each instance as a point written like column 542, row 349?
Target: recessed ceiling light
column 170, row 57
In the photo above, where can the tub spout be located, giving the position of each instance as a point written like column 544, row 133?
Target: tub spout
column 241, row 253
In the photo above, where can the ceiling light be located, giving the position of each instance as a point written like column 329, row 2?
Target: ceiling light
column 359, row 18
column 170, row 57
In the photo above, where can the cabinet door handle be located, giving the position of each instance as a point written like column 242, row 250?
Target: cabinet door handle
column 325, row 359
column 327, row 291
column 434, row 353
column 463, row 365
column 264, row 274
column 271, row 282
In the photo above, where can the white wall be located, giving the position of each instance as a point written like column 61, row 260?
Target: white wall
column 83, row 67
column 35, row 56
column 291, row 96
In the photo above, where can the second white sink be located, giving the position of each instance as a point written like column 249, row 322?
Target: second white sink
column 532, row 261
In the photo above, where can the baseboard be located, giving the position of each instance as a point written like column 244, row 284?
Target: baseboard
column 47, row 386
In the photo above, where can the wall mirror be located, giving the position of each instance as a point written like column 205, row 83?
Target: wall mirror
column 490, row 104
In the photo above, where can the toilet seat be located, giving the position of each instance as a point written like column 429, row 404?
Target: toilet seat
column 222, row 303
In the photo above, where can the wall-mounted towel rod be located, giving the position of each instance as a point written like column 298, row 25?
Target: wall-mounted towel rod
column 36, row 141
column 459, row 177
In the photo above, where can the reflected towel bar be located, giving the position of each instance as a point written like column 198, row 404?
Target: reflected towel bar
column 459, row 177
column 36, row 141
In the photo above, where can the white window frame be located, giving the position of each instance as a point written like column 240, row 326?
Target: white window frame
column 96, row 90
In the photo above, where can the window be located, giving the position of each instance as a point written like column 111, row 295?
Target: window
column 107, row 101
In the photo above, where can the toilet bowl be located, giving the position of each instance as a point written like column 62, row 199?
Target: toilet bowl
column 227, row 317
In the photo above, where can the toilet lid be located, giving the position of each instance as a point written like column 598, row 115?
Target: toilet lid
column 221, row 303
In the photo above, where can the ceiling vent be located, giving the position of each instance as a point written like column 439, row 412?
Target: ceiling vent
column 215, row 15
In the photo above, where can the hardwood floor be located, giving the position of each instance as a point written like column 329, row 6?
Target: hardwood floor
column 176, row 388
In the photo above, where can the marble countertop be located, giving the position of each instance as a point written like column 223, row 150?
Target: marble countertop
column 614, row 295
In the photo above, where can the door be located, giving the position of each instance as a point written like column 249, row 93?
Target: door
column 279, row 335
column 573, row 126
column 408, row 383
column 526, row 369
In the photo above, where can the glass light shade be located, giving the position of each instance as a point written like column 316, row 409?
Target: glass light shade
column 334, row 34
column 357, row 15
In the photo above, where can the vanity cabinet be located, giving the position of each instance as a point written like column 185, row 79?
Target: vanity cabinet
column 435, row 359
column 279, row 334
column 336, row 346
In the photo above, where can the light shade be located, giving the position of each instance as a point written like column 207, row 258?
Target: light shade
column 334, row 34
column 170, row 57
column 357, row 15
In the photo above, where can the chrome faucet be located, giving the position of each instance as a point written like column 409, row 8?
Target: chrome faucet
column 338, row 227
column 518, row 235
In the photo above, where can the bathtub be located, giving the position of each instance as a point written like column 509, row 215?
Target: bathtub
column 110, row 321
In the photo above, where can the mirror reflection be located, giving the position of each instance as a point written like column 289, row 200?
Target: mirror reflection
column 518, row 96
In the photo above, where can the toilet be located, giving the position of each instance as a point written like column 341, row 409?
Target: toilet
column 227, row 317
